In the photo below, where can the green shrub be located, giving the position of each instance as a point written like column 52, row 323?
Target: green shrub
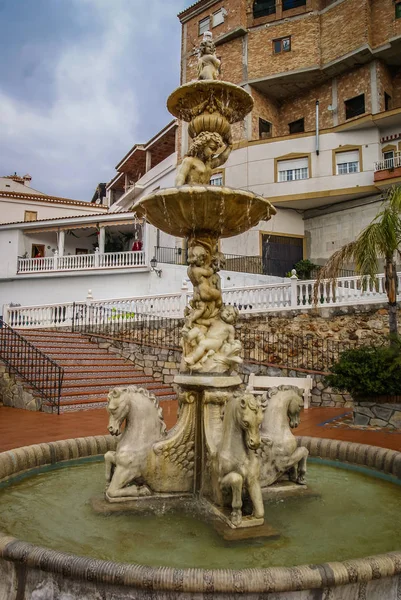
column 368, row 371
column 304, row 268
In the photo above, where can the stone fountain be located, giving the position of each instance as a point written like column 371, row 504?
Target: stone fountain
column 217, row 451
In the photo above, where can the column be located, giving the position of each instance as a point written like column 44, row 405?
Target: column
column 61, row 242
column 148, row 161
column 102, row 239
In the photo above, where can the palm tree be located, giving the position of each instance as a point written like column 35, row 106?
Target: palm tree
column 380, row 239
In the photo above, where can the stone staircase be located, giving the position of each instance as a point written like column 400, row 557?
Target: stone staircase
column 90, row 371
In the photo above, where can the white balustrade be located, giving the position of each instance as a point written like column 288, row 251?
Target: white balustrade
column 31, row 317
column 35, row 265
column 251, row 299
column 82, row 262
column 388, row 163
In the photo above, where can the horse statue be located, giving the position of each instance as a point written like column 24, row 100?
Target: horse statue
column 235, row 461
column 279, row 452
column 147, row 459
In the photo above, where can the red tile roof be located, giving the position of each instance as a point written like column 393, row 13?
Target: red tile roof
column 43, row 198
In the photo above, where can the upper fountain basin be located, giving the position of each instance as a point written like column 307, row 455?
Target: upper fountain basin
column 219, row 211
column 210, row 96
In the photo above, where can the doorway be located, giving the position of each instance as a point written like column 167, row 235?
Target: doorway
column 280, row 253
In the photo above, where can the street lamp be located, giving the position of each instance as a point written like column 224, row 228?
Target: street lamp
column 153, row 267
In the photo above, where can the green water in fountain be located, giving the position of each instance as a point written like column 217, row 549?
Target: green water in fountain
column 354, row 515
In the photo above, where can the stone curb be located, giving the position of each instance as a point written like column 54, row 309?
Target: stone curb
column 304, row 577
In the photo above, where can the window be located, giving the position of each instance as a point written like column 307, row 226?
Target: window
column 30, row 215
column 265, row 129
column 387, row 101
column 388, row 158
column 297, row 126
column 355, row 106
column 293, row 169
column 218, row 17
column 216, row 179
column 264, row 8
column 282, row 45
column 204, row 25
column 347, row 162
column 398, row 10
column 288, row 4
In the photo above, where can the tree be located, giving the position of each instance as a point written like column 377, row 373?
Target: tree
column 381, row 239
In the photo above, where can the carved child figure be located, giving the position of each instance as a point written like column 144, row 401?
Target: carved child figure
column 208, row 63
column 220, row 333
column 197, row 166
column 206, row 295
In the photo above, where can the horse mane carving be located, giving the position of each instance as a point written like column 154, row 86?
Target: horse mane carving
column 117, row 391
column 279, row 451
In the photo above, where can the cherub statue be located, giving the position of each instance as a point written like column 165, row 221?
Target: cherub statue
column 221, row 334
column 208, row 63
column 201, row 159
column 207, row 293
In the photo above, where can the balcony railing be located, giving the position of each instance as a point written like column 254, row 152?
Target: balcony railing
column 389, row 163
column 81, row 262
column 292, row 294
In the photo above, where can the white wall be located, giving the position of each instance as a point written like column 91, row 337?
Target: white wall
column 12, row 210
column 39, row 290
column 328, row 232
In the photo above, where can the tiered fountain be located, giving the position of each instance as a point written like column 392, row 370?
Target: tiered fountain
column 217, row 463
column 208, row 455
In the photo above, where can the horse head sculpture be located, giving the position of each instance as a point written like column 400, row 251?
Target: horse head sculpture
column 249, row 415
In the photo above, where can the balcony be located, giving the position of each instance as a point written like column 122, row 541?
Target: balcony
column 389, row 168
column 82, row 262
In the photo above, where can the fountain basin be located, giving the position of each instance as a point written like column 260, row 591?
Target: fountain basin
column 26, row 567
column 219, row 211
column 208, row 97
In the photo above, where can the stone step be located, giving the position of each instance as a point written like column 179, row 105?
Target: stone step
column 66, row 360
column 85, row 376
column 78, row 386
column 104, row 389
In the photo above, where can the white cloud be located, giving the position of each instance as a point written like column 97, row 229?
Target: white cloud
column 92, row 117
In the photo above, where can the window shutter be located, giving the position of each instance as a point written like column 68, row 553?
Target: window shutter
column 294, row 163
column 347, row 157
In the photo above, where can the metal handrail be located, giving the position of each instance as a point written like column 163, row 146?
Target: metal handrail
column 39, row 370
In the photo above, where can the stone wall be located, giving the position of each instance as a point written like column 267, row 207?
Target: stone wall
column 163, row 364
column 374, row 414
column 15, row 393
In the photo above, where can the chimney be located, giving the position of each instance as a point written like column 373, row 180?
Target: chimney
column 27, row 180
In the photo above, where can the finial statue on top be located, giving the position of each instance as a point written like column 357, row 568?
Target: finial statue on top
column 208, row 63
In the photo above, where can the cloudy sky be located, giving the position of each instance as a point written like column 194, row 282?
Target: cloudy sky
column 81, row 82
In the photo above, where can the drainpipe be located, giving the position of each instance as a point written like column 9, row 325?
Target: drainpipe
column 317, row 127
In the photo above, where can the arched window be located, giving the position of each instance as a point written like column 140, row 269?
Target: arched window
column 263, row 8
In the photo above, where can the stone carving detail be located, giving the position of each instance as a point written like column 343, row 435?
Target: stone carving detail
column 202, row 158
column 234, row 459
column 208, row 337
column 279, row 452
column 147, row 460
column 208, row 63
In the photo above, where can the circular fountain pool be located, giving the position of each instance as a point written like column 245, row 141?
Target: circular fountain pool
column 349, row 515
column 52, row 537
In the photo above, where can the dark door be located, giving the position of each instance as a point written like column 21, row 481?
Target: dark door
column 280, row 253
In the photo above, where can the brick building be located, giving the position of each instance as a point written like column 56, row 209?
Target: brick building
column 335, row 63
column 324, row 138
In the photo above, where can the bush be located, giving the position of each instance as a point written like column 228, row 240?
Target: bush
column 304, row 268
column 368, row 371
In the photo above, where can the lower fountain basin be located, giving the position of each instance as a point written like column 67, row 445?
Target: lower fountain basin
column 182, row 554
column 219, row 211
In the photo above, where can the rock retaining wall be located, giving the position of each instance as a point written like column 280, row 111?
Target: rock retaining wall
column 374, row 414
column 163, row 364
column 15, row 393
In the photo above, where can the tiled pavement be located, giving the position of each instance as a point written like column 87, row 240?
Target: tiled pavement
column 21, row 427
